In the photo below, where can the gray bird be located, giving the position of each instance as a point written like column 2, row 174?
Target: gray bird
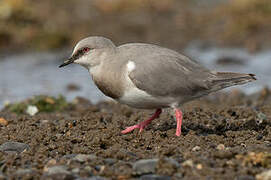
column 149, row 76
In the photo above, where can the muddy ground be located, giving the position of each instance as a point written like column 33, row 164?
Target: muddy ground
column 224, row 136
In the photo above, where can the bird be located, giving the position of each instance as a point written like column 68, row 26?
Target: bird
column 148, row 76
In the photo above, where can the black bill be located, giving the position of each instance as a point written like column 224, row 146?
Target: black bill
column 67, row 62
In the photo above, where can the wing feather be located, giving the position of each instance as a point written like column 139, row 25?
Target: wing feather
column 172, row 76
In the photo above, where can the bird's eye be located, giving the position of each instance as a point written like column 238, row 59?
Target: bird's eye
column 86, row 49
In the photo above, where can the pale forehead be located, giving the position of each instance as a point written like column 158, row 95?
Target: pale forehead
column 93, row 42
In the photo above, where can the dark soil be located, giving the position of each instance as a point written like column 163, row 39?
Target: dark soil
column 224, row 136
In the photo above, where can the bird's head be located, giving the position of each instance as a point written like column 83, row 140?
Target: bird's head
column 89, row 51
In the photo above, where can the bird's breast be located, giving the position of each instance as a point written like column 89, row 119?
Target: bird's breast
column 109, row 84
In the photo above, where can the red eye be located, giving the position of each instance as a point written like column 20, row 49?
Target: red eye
column 86, row 49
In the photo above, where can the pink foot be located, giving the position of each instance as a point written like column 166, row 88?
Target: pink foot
column 179, row 118
column 143, row 124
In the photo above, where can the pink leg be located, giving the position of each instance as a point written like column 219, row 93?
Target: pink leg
column 179, row 118
column 143, row 124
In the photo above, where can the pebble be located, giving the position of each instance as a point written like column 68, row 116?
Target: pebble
column 223, row 154
column 3, row 122
column 145, row 166
column 245, row 177
column 51, row 162
column 173, row 162
column 75, row 170
column 23, row 172
column 57, row 170
column 32, row 110
column 196, row 148
column 92, row 178
column 110, row 161
column 84, row 157
column 154, row 177
column 14, row 147
column 220, row 147
column 266, row 175
column 199, row 166
column 188, row 163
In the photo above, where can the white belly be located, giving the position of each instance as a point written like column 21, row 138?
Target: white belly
column 137, row 98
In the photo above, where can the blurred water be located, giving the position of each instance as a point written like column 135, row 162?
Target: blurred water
column 25, row 75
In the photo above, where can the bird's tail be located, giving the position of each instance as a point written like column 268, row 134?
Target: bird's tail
column 226, row 79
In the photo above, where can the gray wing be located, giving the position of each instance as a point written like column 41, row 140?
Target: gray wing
column 167, row 75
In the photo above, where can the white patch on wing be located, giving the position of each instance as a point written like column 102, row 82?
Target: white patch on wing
column 130, row 66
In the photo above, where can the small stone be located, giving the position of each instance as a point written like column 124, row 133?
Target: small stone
column 145, row 166
column 188, row 163
column 14, row 147
column 84, row 157
column 266, row 175
column 220, row 147
column 245, row 177
column 24, row 172
column 45, row 121
column 110, row 161
column 3, row 122
column 93, row 178
column 75, row 170
column 57, row 170
column 243, row 145
column 223, row 154
column 51, row 162
column 199, row 166
column 69, row 156
column 32, row 110
column 167, row 166
column 154, row 177
column 196, row 148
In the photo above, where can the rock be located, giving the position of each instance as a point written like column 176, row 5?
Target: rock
column 23, row 172
column 154, row 177
column 57, row 170
column 110, row 161
column 145, row 166
column 196, row 148
column 167, row 166
column 32, row 110
column 69, row 156
column 75, row 170
column 199, row 166
column 14, row 147
column 220, row 147
column 84, row 157
column 266, row 175
column 58, row 177
column 3, row 122
column 171, row 161
column 223, row 154
column 51, row 162
column 92, row 178
column 245, row 177
column 188, row 163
